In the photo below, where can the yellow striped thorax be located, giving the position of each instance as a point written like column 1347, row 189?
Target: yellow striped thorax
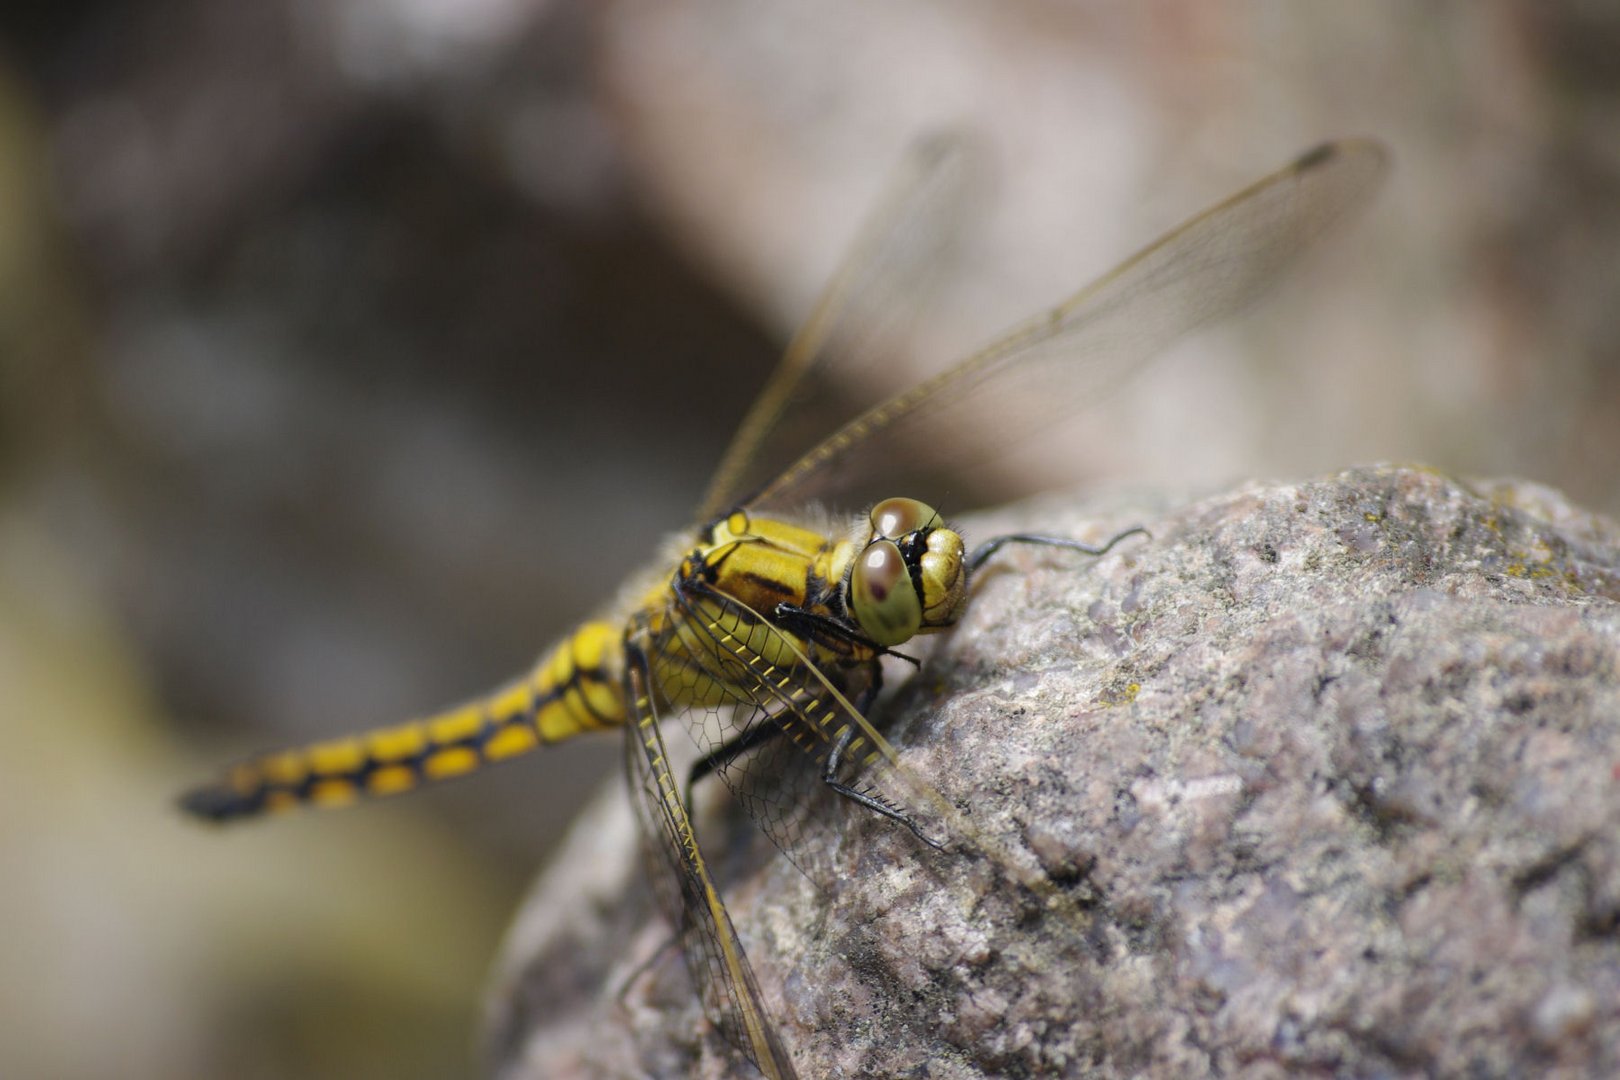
column 907, row 575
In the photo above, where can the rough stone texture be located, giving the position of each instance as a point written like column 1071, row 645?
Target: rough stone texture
column 1325, row 777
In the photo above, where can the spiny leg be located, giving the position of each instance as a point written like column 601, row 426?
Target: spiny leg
column 756, row 735
column 811, row 624
column 876, row 803
column 814, row 627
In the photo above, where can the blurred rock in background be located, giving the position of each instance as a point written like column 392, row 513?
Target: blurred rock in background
column 351, row 351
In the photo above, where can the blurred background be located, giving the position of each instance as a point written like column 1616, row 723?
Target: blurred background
column 351, row 350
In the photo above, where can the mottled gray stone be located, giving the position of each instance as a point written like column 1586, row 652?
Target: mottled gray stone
column 1324, row 778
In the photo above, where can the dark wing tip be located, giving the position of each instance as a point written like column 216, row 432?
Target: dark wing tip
column 1371, row 150
column 1316, row 156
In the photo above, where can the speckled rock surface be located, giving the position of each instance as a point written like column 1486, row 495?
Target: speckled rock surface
column 1320, row 778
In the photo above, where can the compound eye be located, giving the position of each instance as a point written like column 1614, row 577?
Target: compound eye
column 894, row 518
column 882, row 597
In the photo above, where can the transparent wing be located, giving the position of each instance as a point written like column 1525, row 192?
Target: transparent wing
column 809, row 706
column 714, row 954
column 800, row 710
column 750, row 682
column 1051, row 366
column 901, row 253
column 779, row 717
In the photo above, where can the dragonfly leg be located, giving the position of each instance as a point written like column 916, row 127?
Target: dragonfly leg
column 760, row 733
column 669, row 947
column 996, row 543
column 868, row 799
column 756, row 734
column 831, row 632
column 767, row 729
column 813, row 625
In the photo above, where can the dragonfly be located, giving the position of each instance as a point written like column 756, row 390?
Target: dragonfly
column 764, row 630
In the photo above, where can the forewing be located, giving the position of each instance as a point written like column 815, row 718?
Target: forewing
column 876, row 769
column 779, row 783
column 714, row 954
column 1062, row 360
column 783, row 712
column 899, row 257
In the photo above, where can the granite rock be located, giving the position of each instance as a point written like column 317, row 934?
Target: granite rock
column 1318, row 777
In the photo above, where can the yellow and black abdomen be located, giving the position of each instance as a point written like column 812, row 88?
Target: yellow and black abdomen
column 576, row 687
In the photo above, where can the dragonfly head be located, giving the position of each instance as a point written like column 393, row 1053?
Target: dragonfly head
column 910, row 577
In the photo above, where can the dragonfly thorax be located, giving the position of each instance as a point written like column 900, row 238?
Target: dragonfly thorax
column 910, row 577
